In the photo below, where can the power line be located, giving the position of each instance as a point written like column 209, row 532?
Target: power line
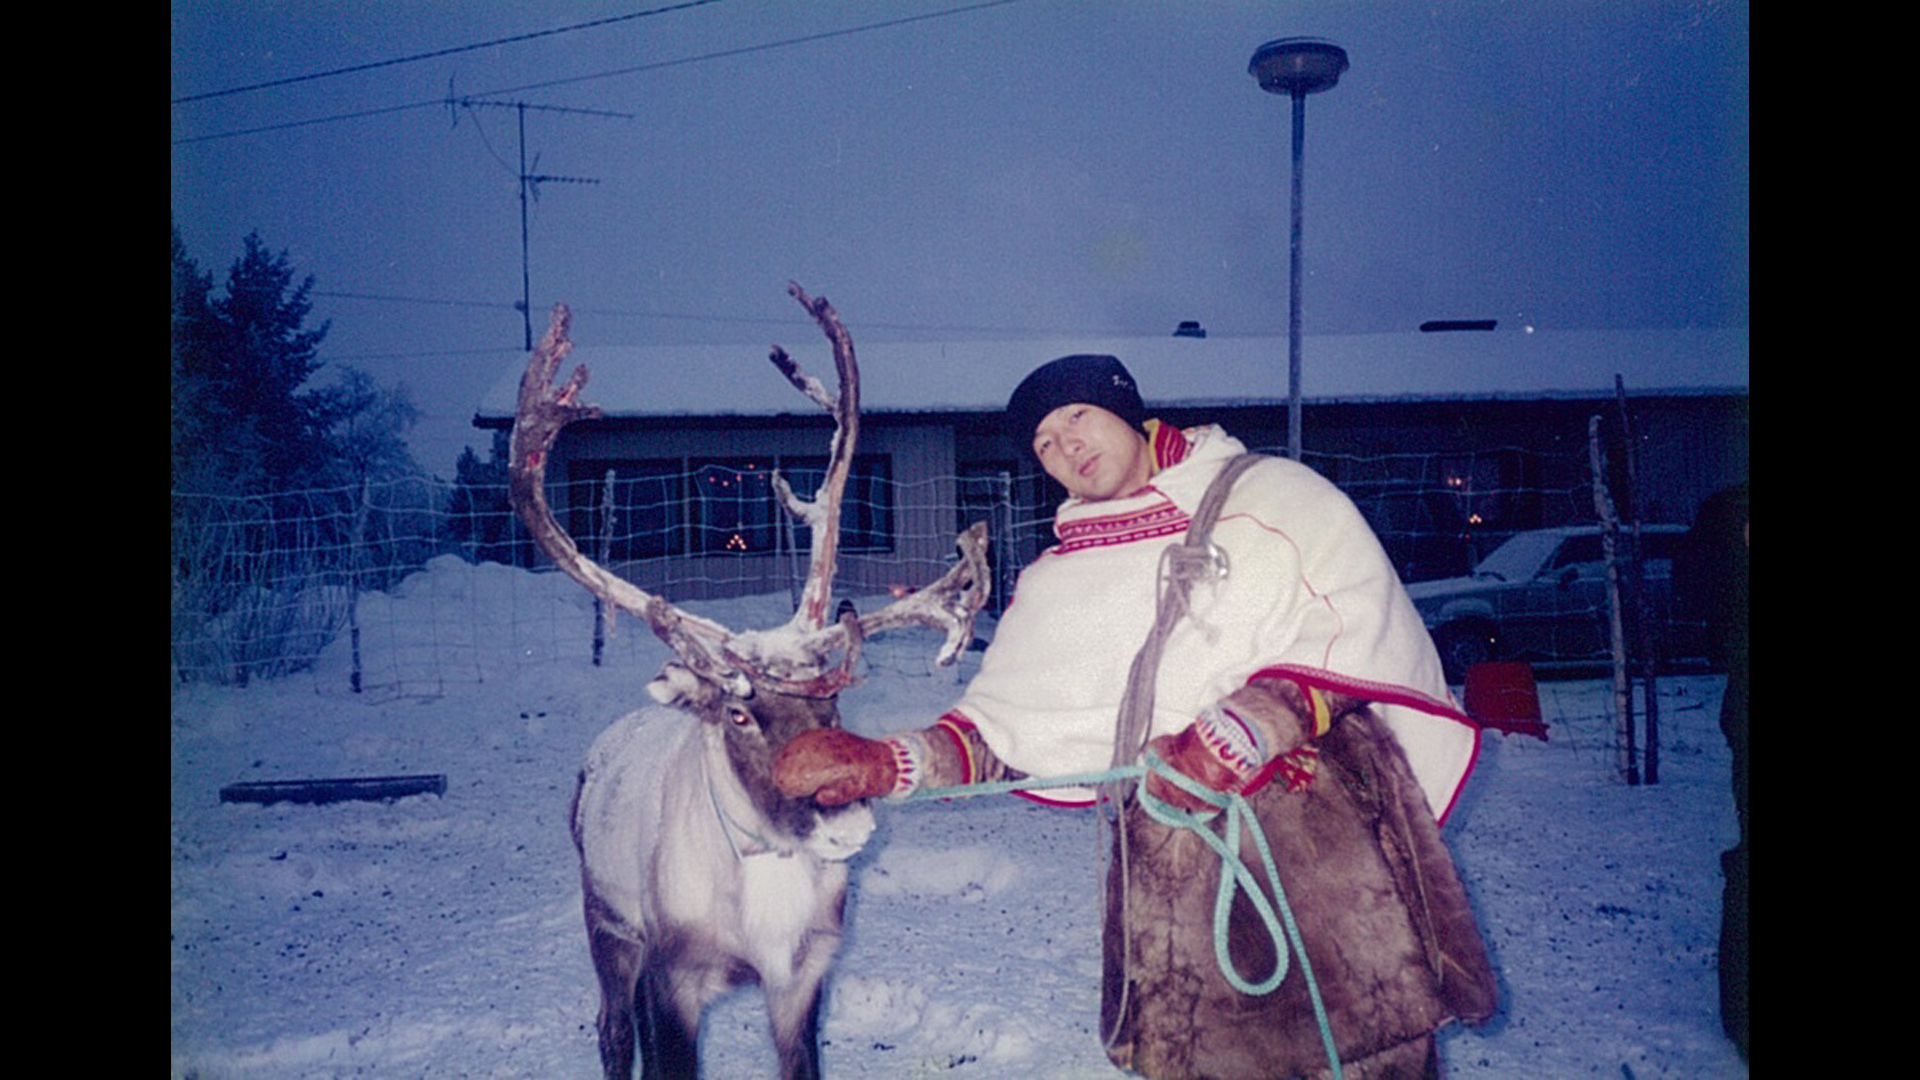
column 411, row 355
column 725, row 320
column 455, row 50
column 291, row 124
column 416, row 300
column 746, row 50
column 722, row 54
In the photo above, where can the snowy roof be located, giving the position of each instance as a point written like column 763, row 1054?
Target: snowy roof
column 971, row 376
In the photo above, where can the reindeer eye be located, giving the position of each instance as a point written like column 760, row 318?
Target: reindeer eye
column 740, row 717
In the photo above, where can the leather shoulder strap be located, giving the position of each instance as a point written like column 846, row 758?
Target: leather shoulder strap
column 1200, row 529
column 1193, row 557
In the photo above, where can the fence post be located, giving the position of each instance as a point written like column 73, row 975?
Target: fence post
column 1002, row 549
column 602, row 614
column 786, row 550
column 1609, row 526
column 1645, row 635
column 354, row 559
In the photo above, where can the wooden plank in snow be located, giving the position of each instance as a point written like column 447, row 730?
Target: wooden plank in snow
column 335, row 789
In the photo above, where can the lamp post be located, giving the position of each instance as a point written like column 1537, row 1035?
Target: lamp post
column 1296, row 66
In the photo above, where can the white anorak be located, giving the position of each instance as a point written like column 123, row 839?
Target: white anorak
column 1309, row 594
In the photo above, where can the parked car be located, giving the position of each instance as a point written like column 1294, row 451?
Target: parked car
column 1542, row 597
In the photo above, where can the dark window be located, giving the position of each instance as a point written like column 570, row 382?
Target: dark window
column 1480, row 486
column 735, row 509
column 1589, row 553
column 866, row 509
column 648, row 503
column 984, row 488
column 1579, row 550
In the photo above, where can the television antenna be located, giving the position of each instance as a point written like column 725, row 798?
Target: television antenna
column 529, row 182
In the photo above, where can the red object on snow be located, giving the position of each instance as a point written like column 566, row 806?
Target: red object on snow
column 1502, row 695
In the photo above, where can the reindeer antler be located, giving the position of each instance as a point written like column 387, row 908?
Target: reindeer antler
column 822, row 514
column 796, row 661
column 543, row 410
column 949, row 604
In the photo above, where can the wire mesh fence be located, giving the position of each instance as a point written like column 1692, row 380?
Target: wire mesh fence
column 414, row 582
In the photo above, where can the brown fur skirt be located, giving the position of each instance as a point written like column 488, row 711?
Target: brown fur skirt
column 1392, row 942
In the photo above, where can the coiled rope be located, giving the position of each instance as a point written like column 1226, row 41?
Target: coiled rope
column 1195, row 558
column 1235, row 875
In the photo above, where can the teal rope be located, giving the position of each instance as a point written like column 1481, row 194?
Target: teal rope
column 1031, row 783
column 1238, row 810
column 1234, row 874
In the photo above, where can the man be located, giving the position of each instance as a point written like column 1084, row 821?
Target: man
column 1302, row 678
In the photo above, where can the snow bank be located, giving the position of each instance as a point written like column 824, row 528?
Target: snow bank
column 441, row 936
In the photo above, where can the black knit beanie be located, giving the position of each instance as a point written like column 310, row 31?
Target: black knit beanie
column 1082, row 377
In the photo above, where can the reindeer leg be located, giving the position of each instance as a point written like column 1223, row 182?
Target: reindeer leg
column 669, row 1046
column 793, row 1007
column 799, row 1047
column 616, row 959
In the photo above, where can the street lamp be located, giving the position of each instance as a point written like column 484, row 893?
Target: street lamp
column 1296, row 66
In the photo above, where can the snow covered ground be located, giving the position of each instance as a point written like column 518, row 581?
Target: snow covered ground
column 441, row 936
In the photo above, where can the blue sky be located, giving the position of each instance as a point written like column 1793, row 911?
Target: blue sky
column 946, row 169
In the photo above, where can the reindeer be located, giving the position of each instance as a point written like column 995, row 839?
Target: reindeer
column 697, row 874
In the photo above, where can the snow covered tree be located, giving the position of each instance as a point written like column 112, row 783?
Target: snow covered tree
column 201, row 460
column 480, row 520
column 363, row 427
column 256, row 571
column 244, row 419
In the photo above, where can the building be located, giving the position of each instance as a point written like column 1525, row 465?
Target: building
column 1449, row 441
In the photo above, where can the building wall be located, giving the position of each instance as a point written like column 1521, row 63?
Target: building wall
column 1442, row 481
column 919, row 456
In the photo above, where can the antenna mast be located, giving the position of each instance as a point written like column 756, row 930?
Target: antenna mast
column 530, row 185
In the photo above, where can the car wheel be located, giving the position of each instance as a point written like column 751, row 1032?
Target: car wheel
column 1461, row 646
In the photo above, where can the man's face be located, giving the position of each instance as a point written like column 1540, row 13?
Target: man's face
column 1092, row 452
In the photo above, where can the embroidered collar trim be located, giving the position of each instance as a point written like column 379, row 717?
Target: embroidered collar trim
column 1158, row 517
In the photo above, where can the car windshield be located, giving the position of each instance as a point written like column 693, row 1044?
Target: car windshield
column 1521, row 557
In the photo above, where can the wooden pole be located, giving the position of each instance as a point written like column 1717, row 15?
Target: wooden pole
column 602, row 614
column 1646, row 633
column 354, row 562
column 787, row 551
column 1609, row 530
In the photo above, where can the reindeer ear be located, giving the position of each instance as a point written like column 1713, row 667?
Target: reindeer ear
column 678, row 686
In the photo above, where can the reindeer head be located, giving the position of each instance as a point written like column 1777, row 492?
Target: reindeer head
column 742, row 734
column 758, row 688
